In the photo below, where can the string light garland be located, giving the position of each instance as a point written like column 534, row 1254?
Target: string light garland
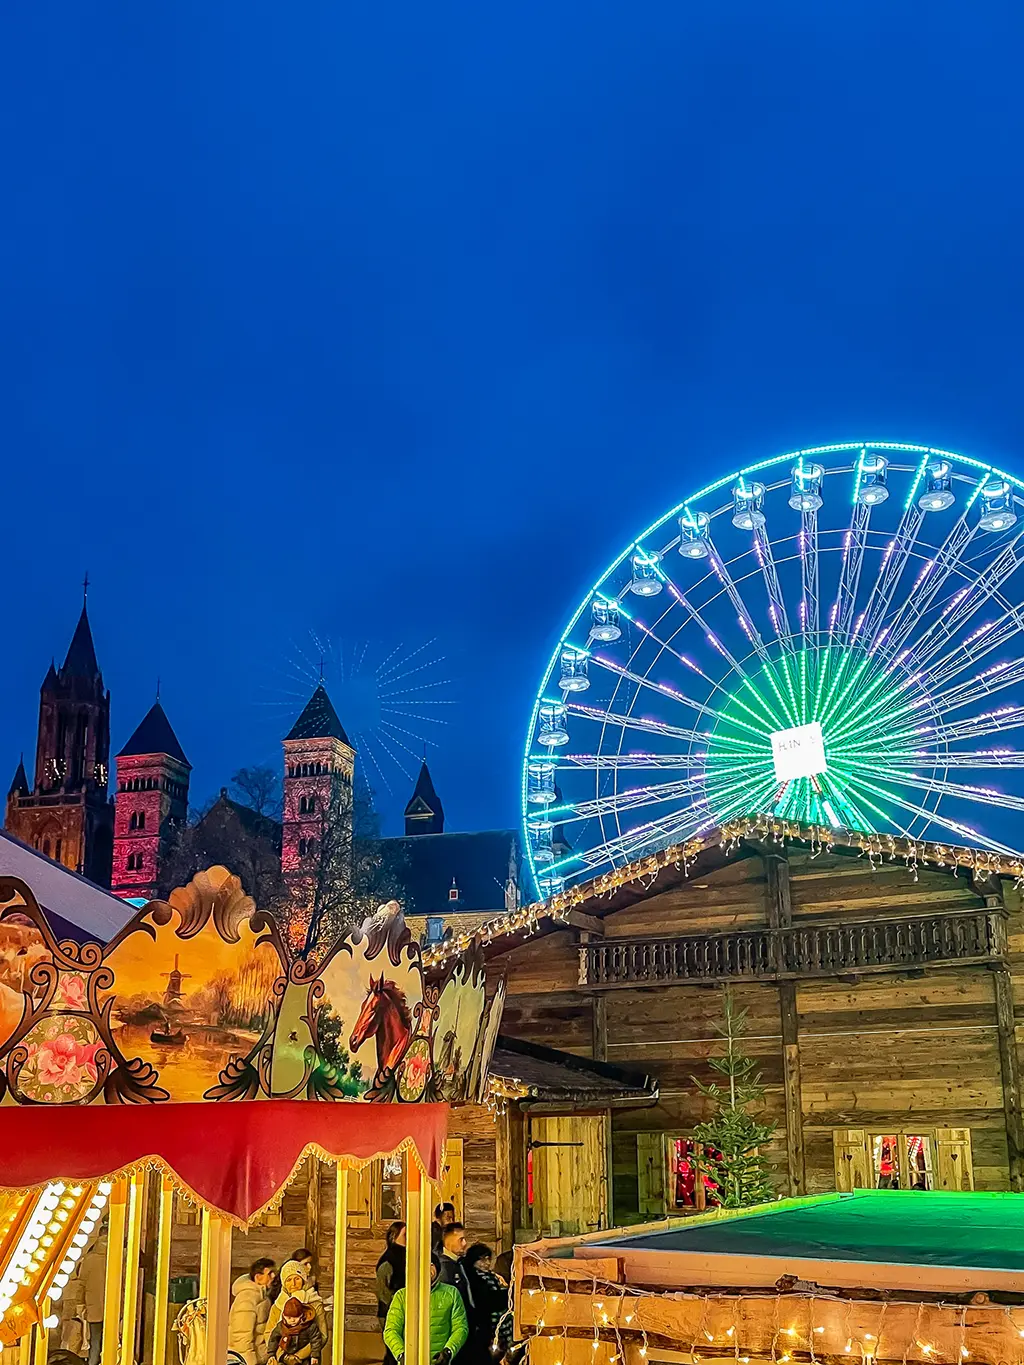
column 806, row 1324
column 877, row 848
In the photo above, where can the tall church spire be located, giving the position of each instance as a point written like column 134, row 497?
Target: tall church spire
column 424, row 814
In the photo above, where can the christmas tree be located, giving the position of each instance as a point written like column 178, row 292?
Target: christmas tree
column 732, row 1138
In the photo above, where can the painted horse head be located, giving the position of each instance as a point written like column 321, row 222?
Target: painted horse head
column 384, row 1016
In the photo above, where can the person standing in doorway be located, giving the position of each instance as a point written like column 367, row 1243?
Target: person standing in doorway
column 453, row 1272
column 444, row 1215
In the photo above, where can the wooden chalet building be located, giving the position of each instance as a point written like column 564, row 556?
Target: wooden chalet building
column 883, row 981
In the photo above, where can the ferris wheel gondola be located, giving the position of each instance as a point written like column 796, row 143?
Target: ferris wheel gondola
column 832, row 636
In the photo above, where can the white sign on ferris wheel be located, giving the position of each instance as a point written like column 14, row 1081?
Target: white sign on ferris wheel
column 798, row 752
column 864, row 600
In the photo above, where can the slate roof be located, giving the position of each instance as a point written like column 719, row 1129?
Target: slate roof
column 19, row 786
column 75, row 907
column 424, row 798
column 319, row 720
column 81, row 656
column 260, row 826
column 478, row 863
column 555, row 1077
column 154, row 735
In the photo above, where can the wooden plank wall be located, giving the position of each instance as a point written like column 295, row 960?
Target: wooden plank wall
column 894, row 1052
column 474, row 1124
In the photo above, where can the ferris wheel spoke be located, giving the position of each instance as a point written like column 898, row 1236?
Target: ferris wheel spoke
column 960, row 791
column 636, row 799
column 631, row 762
column 842, row 627
column 641, row 724
column 862, row 783
column 664, row 690
column 776, row 601
column 895, row 558
column 968, row 601
column 976, row 758
column 984, row 684
column 970, row 650
column 930, row 580
column 995, row 722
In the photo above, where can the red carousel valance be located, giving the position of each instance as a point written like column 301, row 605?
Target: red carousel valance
column 234, row 1159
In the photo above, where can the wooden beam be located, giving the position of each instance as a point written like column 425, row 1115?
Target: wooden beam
column 1009, row 1066
column 130, row 1310
column 504, row 1225
column 590, row 923
column 313, row 1202
column 780, row 916
column 218, row 1280
column 599, row 1042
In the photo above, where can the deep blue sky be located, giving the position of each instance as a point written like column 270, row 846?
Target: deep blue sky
column 398, row 321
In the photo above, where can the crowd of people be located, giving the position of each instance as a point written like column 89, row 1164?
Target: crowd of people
column 278, row 1317
column 468, row 1298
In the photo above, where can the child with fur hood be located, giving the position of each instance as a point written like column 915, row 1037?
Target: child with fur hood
column 293, row 1286
column 296, row 1338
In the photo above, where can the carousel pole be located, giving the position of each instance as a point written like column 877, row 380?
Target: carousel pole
column 217, row 1249
column 417, row 1281
column 41, row 1344
column 130, row 1313
column 340, row 1265
column 163, row 1271
column 114, row 1283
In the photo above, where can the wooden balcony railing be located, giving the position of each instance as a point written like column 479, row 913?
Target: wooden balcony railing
column 957, row 938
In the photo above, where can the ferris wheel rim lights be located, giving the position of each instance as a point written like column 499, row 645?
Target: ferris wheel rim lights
column 933, row 473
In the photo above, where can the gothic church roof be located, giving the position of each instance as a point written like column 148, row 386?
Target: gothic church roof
column 19, row 786
column 154, row 735
column 81, row 657
column 319, row 720
column 475, row 865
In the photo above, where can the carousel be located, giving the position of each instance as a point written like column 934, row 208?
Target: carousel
column 188, row 1071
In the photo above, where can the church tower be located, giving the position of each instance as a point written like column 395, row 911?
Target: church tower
column 66, row 815
column 316, row 833
column 152, row 797
column 424, row 814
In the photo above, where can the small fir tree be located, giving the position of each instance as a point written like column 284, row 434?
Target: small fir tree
column 732, row 1137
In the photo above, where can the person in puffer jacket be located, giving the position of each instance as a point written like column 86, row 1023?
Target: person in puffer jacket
column 250, row 1309
column 449, row 1327
column 296, row 1339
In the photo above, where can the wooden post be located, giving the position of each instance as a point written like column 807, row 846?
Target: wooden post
column 1009, row 1065
column 340, row 1264
column 313, row 1203
column 41, row 1343
column 504, row 1226
column 217, row 1246
column 780, row 916
column 163, row 1271
column 417, row 1279
column 204, row 1254
column 25, row 1347
column 133, row 1250
column 113, row 1285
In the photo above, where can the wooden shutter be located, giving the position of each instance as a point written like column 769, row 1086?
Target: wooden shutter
column 954, row 1168
column 570, row 1174
column 650, row 1170
column 360, row 1196
column 853, row 1159
column 451, row 1177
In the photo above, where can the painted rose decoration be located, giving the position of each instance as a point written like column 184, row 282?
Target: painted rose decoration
column 60, row 1065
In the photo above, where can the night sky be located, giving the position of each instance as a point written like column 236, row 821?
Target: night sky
column 373, row 325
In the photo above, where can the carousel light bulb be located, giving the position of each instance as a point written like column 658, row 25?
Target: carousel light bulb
column 5, row 1301
column 873, row 474
column 693, row 535
column 55, row 1292
column 645, row 581
column 62, row 1215
column 80, row 1239
column 66, row 1267
column 747, row 504
column 51, row 1322
column 47, row 1241
column 87, row 1225
column 105, row 1187
column 938, row 491
column 74, row 1253
column 59, row 1188
column 60, row 1280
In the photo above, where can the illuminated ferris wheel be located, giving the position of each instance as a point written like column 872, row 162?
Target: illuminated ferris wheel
column 832, row 636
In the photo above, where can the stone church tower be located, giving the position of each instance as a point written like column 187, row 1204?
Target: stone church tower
column 152, row 797
column 66, row 814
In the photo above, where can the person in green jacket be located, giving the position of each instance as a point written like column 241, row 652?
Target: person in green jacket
column 449, row 1328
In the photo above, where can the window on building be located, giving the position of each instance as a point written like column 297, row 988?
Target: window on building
column 435, row 930
column 453, row 892
column 57, row 848
column 46, row 847
column 923, row 1159
column 302, row 848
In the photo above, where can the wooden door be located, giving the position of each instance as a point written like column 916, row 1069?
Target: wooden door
column 852, row 1158
column 954, row 1168
column 451, row 1177
column 570, row 1174
column 651, row 1165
